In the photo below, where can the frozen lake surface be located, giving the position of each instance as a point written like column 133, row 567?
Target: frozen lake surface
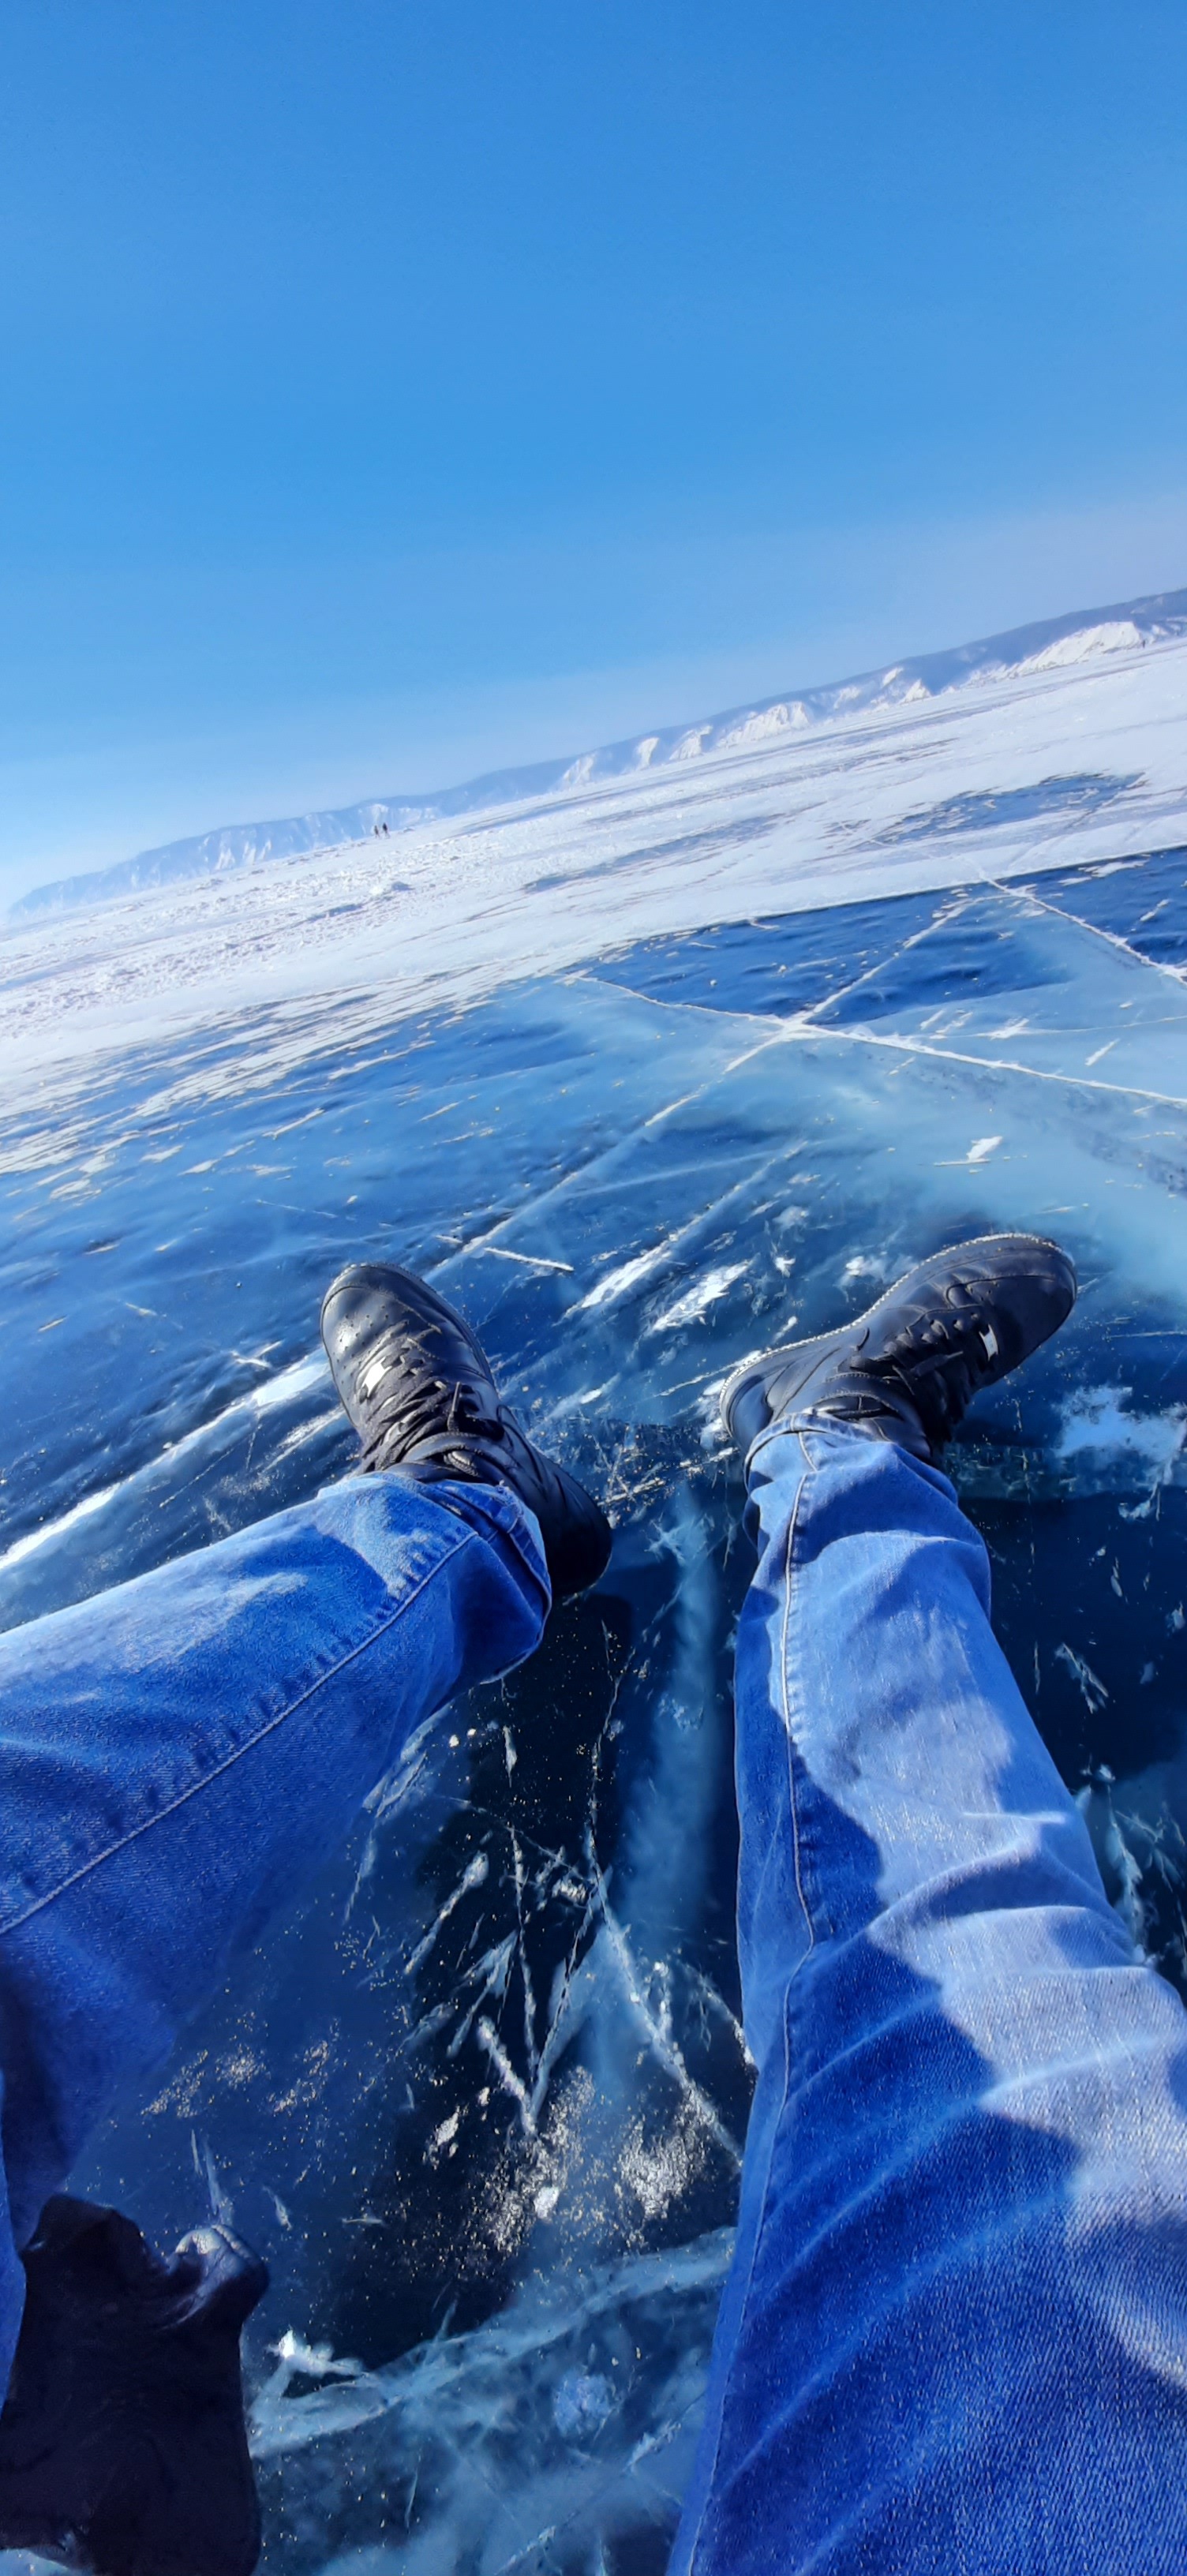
column 481, row 2098
column 995, row 764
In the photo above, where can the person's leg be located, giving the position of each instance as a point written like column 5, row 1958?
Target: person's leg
column 179, row 1754
column 954, row 2340
column 175, row 1758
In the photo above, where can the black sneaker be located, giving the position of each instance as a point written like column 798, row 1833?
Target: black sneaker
column 122, row 2440
column 417, row 1386
column 908, row 1369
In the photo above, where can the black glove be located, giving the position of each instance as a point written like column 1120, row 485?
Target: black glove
column 122, row 2441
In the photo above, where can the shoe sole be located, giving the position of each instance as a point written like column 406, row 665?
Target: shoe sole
column 822, row 1343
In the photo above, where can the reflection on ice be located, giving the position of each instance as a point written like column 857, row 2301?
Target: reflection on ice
column 482, row 2097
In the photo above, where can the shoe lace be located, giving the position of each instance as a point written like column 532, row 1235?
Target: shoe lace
column 407, row 1400
column 942, row 1360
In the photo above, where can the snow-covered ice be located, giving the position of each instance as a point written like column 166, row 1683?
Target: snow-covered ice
column 998, row 760
column 703, row 1055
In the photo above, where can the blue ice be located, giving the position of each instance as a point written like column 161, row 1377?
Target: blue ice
column 482, row 2096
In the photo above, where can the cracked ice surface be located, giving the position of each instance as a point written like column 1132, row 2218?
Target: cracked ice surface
column 482, row 2097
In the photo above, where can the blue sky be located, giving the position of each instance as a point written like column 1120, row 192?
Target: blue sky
column 392, row 390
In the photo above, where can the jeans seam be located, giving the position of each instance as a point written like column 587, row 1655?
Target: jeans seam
column 785, row 1706
column 15, row 1921
column 777, row 2122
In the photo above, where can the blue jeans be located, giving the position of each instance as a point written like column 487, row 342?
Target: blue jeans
column 954, row 2341
column 179, row 1754
column 954, row 2338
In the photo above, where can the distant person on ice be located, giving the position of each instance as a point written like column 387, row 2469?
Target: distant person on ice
column 954, row 2338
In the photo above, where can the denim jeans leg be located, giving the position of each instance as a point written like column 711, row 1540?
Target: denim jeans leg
column 954, row 2338
column 181, row 1753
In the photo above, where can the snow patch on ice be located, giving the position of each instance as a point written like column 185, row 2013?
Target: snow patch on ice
column 866, row 1265
column 697, row 1299
column 616, row 1283
column 1095, row 1421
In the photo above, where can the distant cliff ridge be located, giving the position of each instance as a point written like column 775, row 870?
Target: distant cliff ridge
column 1053, row 644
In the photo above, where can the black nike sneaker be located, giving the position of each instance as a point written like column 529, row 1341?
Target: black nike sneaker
column 122, row 2442
column 908, row 1369
column 418, row 1388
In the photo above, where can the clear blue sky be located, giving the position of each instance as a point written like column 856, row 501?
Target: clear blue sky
column 392, row 389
